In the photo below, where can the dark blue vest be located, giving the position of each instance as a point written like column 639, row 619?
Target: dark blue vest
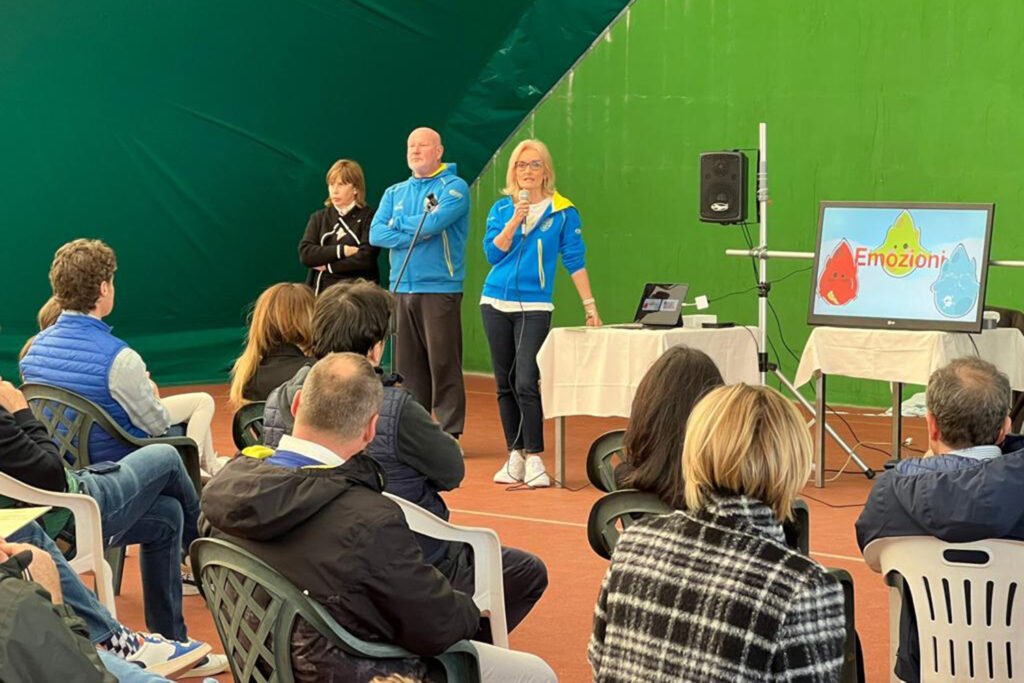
column 76, row 354
column 402, row 480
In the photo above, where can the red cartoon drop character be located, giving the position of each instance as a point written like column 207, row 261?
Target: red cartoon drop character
column 838, row 283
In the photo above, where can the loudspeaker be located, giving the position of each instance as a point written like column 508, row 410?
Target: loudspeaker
column 723, row 187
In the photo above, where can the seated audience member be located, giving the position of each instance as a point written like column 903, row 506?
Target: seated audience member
column 80, row 354
column 156, row 655
column 968, row 489
column 712, row 592
column 418, row 457
column 46, row 317
column 662, row 405
column 42, row 638
column 149, row 499
column 278, row 342
column 318, row 499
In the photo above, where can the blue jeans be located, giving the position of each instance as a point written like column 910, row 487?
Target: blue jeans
column 97, row 619
column 515, row 339
column 150, row 500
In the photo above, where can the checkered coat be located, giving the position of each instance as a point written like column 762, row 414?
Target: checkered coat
column 715, row 596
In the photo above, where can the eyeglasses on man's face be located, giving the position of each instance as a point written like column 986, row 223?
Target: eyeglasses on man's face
column 536, row 165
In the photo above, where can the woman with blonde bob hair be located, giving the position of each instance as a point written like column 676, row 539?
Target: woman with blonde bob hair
column 712, row 593
column 277, row 344
column 336, row 244
column 527, row 231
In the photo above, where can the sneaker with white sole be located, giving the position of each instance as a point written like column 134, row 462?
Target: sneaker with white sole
column 211, row 665
column 512, row 471
column 165, row 657
column 535, row 476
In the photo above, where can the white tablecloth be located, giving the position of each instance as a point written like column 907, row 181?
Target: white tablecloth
column 906, row 356
column 595, row 371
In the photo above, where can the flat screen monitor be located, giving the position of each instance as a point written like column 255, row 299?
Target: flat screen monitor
column 901, row 265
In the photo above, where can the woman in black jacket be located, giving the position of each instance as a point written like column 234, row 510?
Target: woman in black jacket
column 336, row 244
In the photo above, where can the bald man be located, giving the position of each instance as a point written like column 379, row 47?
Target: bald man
column 429, row 318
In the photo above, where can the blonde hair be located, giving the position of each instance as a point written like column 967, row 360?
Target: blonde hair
column 746, row 440
column 283, row 314
column 349, row 172
column 46, row 317
column 548, row 185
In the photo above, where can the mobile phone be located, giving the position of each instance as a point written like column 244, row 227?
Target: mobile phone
column 103, row 467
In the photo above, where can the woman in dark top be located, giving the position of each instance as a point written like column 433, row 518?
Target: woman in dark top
column 661, row 407
column 278, row 342
column 336, row 244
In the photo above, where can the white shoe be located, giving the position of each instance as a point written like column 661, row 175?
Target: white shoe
column 164, row 657
column 512, row 471
column 210, row 665
column 535, row 476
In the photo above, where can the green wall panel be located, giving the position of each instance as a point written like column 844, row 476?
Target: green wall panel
column 912, row 100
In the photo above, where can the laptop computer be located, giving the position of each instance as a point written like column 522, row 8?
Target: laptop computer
column 661, row 305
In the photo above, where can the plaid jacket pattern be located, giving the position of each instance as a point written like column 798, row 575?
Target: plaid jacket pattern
column 715, row 596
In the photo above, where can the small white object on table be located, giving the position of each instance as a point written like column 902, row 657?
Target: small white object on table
column 596, row 370
column 900, row 357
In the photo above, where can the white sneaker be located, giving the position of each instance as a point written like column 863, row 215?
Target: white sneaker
column 211, row 665
column 165, row 657
column 535, row 476
column 512, row 471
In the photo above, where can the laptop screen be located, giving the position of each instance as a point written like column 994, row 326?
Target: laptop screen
column 661, row 305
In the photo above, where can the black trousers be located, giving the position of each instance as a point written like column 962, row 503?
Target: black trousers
column 429, row 355
column 515, row 339
column 525, row 578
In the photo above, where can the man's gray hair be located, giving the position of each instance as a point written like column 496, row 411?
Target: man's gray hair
column 970, row 399
column 340, row 395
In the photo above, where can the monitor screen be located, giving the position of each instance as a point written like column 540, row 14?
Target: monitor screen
column 901, row 266
column 661, row 305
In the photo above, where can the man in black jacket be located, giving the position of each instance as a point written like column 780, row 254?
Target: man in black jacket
column 418, row 457
column 313, row 510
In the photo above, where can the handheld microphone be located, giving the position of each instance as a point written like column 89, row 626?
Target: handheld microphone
column 430, row 202
column 524, row 195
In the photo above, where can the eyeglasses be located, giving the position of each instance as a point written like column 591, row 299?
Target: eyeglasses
column 536, row 165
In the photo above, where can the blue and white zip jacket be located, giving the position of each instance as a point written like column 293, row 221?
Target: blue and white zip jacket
column 526, row 272
column 438, row 263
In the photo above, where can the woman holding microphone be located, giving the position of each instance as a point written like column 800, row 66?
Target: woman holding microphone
column 527, row 230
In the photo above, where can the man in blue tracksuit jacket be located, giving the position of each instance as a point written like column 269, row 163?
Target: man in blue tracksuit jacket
column 968, row 490
column 429, row 318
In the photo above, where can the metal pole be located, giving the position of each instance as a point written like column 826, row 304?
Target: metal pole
column 762, row 244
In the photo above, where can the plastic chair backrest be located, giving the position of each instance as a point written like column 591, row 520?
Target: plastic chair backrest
column 615, row 508
column 255, row 610
column 69, row 417
column 622, row 508
column 88, row 531
column 600, row 468
column 247, row 425
column 489, row 586
column 968, row 600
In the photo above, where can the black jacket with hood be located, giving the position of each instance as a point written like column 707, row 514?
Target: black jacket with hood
column 331, row 533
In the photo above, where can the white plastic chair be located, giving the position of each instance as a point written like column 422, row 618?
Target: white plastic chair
column 968, row 600
column 88, row 532
column 489, row 589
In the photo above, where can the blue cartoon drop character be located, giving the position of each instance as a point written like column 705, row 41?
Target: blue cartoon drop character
column 956, row 289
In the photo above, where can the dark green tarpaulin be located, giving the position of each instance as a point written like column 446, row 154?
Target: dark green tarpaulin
column 194, row 136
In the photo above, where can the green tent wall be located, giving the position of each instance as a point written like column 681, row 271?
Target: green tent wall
column 194, row 137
